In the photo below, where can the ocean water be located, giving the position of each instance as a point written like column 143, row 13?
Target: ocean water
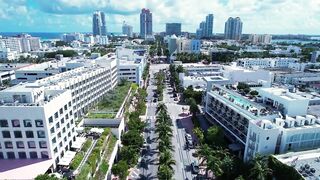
column 42, row 35
column 293, row 41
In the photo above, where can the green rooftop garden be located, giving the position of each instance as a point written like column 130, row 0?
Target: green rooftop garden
column 112, row 101
column 93, row 115
column 108, row 107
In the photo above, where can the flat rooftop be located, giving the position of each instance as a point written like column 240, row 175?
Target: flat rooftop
column 23, row 168
column 283, row 93
column 303, row 162
column 247, row 107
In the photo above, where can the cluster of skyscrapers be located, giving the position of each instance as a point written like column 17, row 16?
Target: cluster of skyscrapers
column 145, row 23
column 205, row 29
column 99, row 27
column 233, row 28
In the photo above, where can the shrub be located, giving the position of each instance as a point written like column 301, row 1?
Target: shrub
column 76, row 161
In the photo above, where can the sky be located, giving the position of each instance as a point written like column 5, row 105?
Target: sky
column 258, row 16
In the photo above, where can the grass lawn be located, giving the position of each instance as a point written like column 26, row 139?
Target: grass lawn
column 101, row 115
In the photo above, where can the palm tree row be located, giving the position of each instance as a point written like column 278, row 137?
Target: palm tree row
column 165, row 134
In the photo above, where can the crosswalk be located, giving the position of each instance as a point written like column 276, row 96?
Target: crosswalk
column 134, row 174
column 152, row 117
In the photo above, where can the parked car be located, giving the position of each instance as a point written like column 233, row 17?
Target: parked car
column 155, row 100
column 194, row 168
column 188, row 137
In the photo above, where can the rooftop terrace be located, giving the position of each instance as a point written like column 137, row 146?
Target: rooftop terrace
column 249, row 107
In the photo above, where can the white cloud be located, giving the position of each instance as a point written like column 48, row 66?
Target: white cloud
column 258, row 16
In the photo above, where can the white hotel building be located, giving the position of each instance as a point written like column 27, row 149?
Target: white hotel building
column 275, row 122
column 266, row 62
column 37, row 120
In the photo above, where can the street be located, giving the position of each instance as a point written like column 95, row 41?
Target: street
column 181, row 123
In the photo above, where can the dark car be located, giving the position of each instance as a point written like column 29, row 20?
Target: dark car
column 194, row 168
column 155, row 100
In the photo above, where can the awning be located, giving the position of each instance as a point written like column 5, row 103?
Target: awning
column 96, row 130
column 67, row 158
column 79, row 129
column 78, row 143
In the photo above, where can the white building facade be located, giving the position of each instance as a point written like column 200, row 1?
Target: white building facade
column 276, row 121
column 266, row 62
column 44, row 127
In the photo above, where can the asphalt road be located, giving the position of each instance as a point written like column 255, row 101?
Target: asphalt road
column 149, row 164
column 149, row 161
column 181, row 125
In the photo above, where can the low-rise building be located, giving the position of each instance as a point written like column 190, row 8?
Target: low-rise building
column 260, row 38
column 275, row 121
column 266, row 62
column 7, row 54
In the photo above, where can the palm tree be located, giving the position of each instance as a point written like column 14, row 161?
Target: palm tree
column 166, row 159
column 214, row 164
column 164, row 172
column 199, row 133
column 164, row 145
column 161, row 107
column 203, row 153
column 163, row 118
column 260, row 169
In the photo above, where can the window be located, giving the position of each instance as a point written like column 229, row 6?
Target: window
column 22, row 155
column 44, row 155
column 1, row 155
column 65, row 107
column 20, row 144
column 17, row 134
column 6, row 134
column 43, row 144
column 29, row 134
column 15, row 123
column 27, row 123
column 33, row 155
column 61, row 111
column 50, row 119
column 52, row 130
column 62, row 121
column 8, row 144
column 54, row 140
column 39, row 123
column 4, row 123
column 11, row 155
column 56, row 115
column 41, row 134
column 31, row 144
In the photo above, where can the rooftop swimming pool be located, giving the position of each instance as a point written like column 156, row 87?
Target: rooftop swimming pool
column 240, row 102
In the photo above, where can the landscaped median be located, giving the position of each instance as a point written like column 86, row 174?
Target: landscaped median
column 132, row 140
